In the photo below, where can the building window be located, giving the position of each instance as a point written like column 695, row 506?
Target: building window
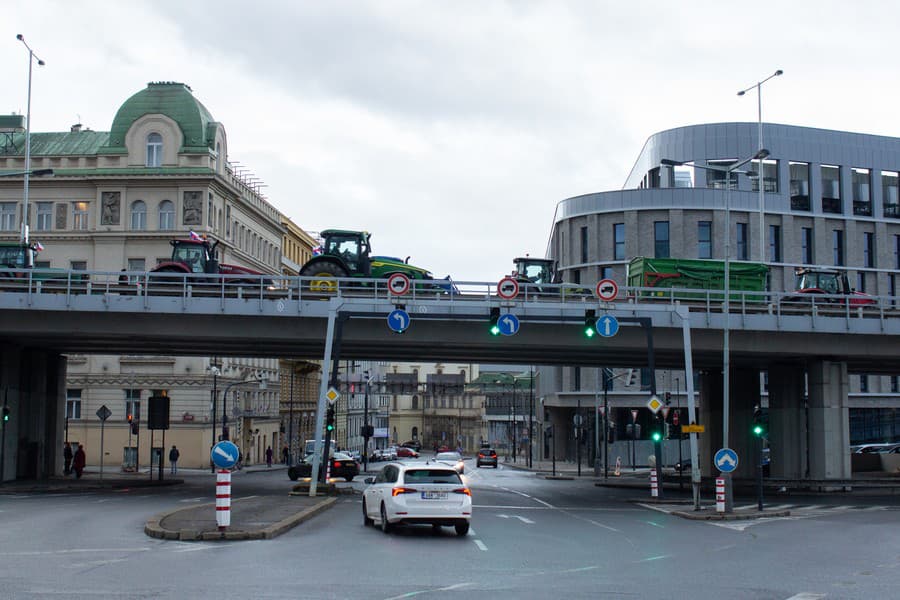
column 775, row 243
column 415, row 402
column 576, row 276
column 799, row 185
column 166, row 215
column 868, row 249
column 44, row 220
column 133, row 404
column 619, row 241
column 861, row 281
column 78, row 265
column 228, row 221
column 769, row 173
column 716, row 178
column 154, row 150
column 837, row 243
column 606, row 273
column 831, row 189
column 862, row 192
column 7, row 216
column 704, row 239
column 897, row 251
column 646, row 378
column 209, row 211
column 895, row 384
column 139, row 215
column 863, row 383
column 576, row 377
column 889, row 190
column 80, row 216
column 806, row 245
column 138, row 265
column 661, row 239
column 73, row 404
column 741, row 245
column 584, row 244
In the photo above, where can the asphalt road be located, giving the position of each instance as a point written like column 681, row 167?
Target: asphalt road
column 530, row 538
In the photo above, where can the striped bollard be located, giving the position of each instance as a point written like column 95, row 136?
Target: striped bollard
column 654, row 488
column 720, row 494
column 223, row 498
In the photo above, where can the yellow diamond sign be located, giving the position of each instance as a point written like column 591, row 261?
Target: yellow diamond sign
column 654, row 404
column 332, row 395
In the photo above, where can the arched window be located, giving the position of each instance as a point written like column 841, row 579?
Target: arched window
column 166, row 215
column 154, row 150
column 139, row 215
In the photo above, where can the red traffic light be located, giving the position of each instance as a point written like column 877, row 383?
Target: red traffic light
column 130, row 418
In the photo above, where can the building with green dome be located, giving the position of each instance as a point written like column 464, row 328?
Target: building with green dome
column 114, row 202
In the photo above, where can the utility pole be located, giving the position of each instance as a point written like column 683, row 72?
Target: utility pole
column 365, row 452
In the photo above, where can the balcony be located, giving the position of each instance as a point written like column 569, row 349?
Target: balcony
column 862, row 208
column 800, row 203
column 831, row 205
column 892, row 211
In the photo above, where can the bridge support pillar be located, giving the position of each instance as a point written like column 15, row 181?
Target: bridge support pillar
column 829, row 421
column 744, row 395
column 787, row 423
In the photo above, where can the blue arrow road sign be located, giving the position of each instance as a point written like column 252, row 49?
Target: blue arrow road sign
column 398, row 320
column 607, row 326
column 224, row 454
column 508, row 324
column 726, row 460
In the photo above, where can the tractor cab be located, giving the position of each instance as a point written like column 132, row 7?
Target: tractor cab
column 827, row 281
column 535, row 270
column 16, row 256
column 197, row 255
column 351, row 247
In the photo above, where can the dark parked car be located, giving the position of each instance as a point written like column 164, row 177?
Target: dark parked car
column 486, row 456
column 342, row 465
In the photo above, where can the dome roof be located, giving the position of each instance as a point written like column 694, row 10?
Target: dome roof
column 174, row 100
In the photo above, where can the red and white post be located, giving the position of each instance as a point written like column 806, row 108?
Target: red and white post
column 223, row 499
column 720, row 494
column 654, row 484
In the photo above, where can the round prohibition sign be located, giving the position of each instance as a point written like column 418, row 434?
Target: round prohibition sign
column 398, row 284
column 607, row 290
column 508, row 288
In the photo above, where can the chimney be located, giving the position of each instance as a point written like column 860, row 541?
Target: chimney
column 75, row 128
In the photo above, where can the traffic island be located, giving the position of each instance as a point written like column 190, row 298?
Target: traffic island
column 322, row 489
column 255, row 518
column 710, row 514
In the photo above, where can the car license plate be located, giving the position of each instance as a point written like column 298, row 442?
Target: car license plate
column 434, row 495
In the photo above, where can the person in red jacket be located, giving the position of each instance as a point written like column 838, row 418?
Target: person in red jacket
column 78, row 462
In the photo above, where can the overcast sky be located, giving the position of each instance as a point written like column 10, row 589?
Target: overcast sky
column 450, row 130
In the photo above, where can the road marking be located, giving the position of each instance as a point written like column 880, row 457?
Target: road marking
column 660, row 557
column 524, row 520
column 811, row 507
column 806, row 596
column 73, row 551
column 448, row 588
column 197, row 499
column 604, row 526
column 655, row 524
column 480, row 545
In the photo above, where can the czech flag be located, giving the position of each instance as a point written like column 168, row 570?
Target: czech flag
column 38, row 247
column 196, row 237
column 318, row 250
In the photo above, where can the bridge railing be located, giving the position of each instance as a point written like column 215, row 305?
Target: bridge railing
column 288, row 287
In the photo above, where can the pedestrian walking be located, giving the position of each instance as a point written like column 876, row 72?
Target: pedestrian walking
column 269, row 456
column 67, row 457
column 284, row 455
column 78, row 461
column 173, row 460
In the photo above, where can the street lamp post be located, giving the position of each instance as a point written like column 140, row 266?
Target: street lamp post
column 726, row 308
column 214, row 369
column 31, row 58
column 365, row 452
column 762, row 202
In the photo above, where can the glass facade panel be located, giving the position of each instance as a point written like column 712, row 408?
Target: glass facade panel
column 741, row 242
column 775, row 243
column 799, row 186
column 619, row 241
column 80, row 216
column 889, row 192
column 862, row 192
column 831, row 189
column 806, row 245
column 584, row 244
column 769, row 175
column 837, row 244
column 868, row 249
column 717, row 179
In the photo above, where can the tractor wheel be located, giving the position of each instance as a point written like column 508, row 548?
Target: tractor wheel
column 323, row 275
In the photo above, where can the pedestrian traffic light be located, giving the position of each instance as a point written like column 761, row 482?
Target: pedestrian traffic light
column 590, row 323
column 668, row 398
column 759, row 426
column 329, row 419
column 495, row 319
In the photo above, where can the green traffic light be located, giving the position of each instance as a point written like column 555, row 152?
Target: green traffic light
column 757, row 430
column 589, row 332
column 657, row 436
column 590, row 323
column 495, row 330
column 329, row 427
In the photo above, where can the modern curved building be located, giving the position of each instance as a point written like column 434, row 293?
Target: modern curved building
column 830, row 199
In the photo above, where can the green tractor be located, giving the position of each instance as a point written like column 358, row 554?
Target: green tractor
column 347, row 254
column 535, row 275
column 20, row 256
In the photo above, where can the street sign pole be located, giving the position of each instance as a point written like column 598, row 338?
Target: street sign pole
column 102, row 428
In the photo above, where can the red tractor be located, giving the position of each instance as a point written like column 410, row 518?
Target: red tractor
column 197, row 255
column 830, row 282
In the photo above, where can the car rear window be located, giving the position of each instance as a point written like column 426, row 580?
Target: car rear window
column 431, row 476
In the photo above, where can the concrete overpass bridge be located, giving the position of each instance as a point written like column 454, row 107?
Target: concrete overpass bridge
column 807, row 348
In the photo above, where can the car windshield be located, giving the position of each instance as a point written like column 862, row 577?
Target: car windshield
column 431, row 476
column 448, row 456
column 342, row 456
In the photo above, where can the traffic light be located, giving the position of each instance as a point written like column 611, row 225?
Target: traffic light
column 329, row 419
column 668, row 398
column 657, row 437
column 134, row 427
column 590, row 323
column 130, row 418
column 495, row 318
column 759, row 425
column 5, row 414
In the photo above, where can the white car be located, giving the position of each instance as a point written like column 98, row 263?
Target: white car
column 452, row 459
column 417, row 494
